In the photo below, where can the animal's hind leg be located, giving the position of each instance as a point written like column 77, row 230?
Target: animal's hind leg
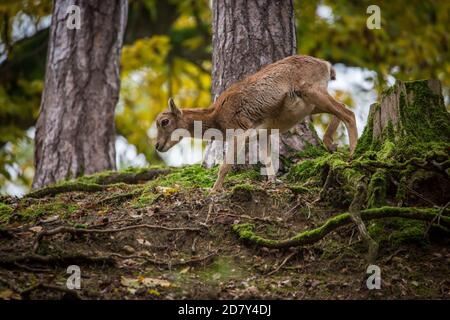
column 328, row 136
column 324, row 102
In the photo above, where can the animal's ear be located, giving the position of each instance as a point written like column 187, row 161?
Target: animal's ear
column 173, row 108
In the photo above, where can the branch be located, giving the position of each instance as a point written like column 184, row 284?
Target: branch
column 246, row 231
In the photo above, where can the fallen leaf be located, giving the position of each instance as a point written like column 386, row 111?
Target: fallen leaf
column 129, row 282
column 144, row 282
column 166, row 191
column 185, row 270
column 36, row 229
column 152, row 282
column 50, row 219
column 8, row 295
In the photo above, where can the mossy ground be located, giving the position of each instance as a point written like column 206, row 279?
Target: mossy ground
column 213, row 262
column 331, row 268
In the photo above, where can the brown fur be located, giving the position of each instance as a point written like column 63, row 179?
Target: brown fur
column 277, row 97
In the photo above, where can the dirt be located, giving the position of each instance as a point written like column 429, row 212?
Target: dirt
column 203, row 258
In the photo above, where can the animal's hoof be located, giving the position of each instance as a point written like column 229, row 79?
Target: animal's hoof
column 215, row 190
column 332, row 147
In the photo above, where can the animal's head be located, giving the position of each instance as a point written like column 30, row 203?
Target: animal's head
column 166, row 123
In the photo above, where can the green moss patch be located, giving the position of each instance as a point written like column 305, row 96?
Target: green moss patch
column 5, row 213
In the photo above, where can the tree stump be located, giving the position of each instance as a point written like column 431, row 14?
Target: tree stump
column 409, row 113
column 408, row 131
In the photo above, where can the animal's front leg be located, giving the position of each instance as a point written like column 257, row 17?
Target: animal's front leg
column 223, row 171
column 225, row 167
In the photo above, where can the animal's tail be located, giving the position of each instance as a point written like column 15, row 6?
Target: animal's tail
column 331, row 70
column 332, row 73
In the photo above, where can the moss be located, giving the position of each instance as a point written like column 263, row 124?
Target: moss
column 424, row 124
column 36, row 211
column 120, row 197
column 387, row 150
column 194, row 176
column 313, row 168
column 311, row 151
column 424, row 116
column 366, row 140
column 65, row 186
column 128, row 175
column 248, row 175
column 245, row 187
column 399, row 231
column 377, row 190
column 246, row 232
column 145, row 200
column 401, row 193
column 5, row 213
column 299, row 189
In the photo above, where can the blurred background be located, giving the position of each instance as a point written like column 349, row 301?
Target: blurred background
column 167, row 52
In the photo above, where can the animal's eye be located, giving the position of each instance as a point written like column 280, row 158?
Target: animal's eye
column 164, row 122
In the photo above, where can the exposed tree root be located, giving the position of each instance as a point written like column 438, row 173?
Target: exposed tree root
column 131, row 177
column 77, row 258
column 71, row 230
column 120, row 197
column 66, row 187
column 98, row 183
column 93, row 259
column 246, row 231
column 355, row 213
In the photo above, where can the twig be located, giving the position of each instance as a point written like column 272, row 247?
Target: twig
column 168, row 264
column 438, row 218
column 31, row 269
column 282, row 263
column 244, row 216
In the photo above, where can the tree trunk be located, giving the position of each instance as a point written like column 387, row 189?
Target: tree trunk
column 75, row 132
column 246, row 36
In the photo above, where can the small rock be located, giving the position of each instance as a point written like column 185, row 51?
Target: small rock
column 128, row 249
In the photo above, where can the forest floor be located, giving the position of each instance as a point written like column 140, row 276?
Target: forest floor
column 168, row 239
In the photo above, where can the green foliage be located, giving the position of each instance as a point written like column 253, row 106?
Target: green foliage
column 5, row 213
column 411, row 44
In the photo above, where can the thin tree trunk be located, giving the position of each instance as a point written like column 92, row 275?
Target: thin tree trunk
column 246, row 36
column 75, row 132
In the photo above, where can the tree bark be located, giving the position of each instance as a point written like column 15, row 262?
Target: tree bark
column 246, row 36
column 75, row 132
